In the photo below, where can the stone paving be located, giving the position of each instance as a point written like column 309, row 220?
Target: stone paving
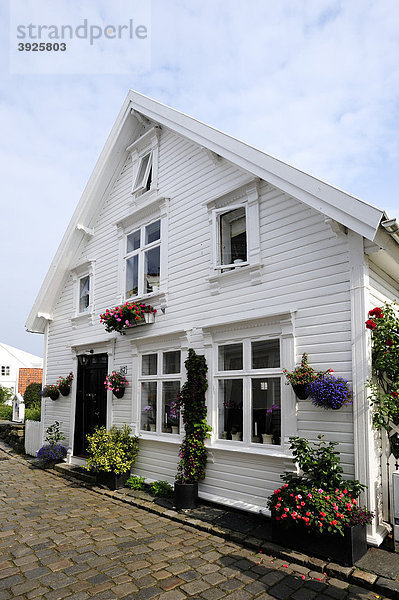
column 60, row 540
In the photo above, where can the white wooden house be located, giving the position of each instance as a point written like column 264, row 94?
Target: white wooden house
column 12, row 360
column 247, row 260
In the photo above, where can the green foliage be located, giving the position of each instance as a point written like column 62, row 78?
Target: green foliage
column 304, row 373
column 33, row 414
column 32, row 397
column 193, row 454
column 384, row 389
column 5, row 412
column 160, row 489
column 136, row 483
column 112, row 451
column 54, row 434
column 5, row 394
column 319, row 497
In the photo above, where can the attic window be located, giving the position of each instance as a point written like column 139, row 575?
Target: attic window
column 143, row 179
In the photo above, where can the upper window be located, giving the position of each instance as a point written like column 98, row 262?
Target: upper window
column 232, row 242
column 143, row 260
column 5, row 370
column 159, row 387
column 84, row 294
column 143, row 180
column 249, row 392
column 144, row 154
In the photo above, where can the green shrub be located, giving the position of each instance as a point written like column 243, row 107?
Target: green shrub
column 5, row 394
column 161, row 489
column 32, row 395
column 135, row 483
column 112, row 451
column 5, row 412
column 33, row 414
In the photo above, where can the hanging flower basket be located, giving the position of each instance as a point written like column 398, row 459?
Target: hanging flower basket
column 301, row 377
column 126, row 316
column 330, row 392
column 64, row 384
column 116, row 383
column 302, row 390
column 50, row 391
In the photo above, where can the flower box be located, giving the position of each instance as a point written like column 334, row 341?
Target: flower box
column 128, row 315
column 343, row 549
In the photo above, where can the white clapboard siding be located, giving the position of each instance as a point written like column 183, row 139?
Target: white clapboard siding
column 33, row 437
column 304, row 266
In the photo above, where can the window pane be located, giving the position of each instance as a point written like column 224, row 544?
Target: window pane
column 153, row 232
column 84, row 294
column 266, row 354
column 266, row 412
column 148, row 405
column 171, row 362
column 152, row 270
column 230, row 409
column 149, row 364
column 142, row 170
column 233, row 237
column 230, row 357
column 132, row 276
column 170, row 414
column 133, row 241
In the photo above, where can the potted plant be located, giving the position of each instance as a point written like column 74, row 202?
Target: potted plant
column 52, row 452
column 116, row 383
column 316, row 510
column 50, row 391
column 126, row 316
column 112, row 454
column 267, row 437
column 301, row 377
column 330, row 392
column 193, row 454
column 64, row 384
column 174, row 415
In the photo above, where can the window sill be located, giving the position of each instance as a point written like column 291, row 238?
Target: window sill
column 159, row 297
column 170, row 438
column 82, row 319
column 268, row 449
column 253, row 271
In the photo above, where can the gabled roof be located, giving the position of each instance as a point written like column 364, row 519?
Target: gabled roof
column 359, row 216
column 27, row 360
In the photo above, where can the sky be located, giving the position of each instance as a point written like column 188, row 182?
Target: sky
column 312, row 82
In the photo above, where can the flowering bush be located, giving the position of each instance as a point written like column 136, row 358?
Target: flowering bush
column 115, row 381
column 125, row 316
column 51, row 452
column 112, row 451
column 330, row 392
column 384, row 390
column 193, row 454
column 304, row 373
column 318, row 498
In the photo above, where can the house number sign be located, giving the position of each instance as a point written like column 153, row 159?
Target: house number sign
column 123, row 369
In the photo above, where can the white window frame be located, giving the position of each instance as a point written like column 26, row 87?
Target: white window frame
column 6, row 370
column 153, row 210
column 148, row 143
column 159, row 378
column 140, row 253
column 247, row 374
column 79, row 272
column 87, row 309
column 246, row 196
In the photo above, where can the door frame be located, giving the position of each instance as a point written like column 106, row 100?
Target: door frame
column 104, row 347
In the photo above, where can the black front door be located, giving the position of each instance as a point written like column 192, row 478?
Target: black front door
column 91, row 398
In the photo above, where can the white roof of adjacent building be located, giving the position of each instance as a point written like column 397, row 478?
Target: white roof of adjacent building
column 353, row 213
column 25, row 359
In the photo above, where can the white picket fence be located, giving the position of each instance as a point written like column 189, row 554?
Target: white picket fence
column 33, row 437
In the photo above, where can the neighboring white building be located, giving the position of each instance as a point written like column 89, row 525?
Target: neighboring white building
column 11, row 361
column 248, row 261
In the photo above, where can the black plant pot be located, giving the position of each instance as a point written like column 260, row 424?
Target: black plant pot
column 65, row 390
column 345, row 550
column 120, row 393
column 302, row 390
column 186, row 495
column 54, row 395
column 112, row 480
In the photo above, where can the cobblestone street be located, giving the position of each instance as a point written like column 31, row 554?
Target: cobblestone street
column 59, row 540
